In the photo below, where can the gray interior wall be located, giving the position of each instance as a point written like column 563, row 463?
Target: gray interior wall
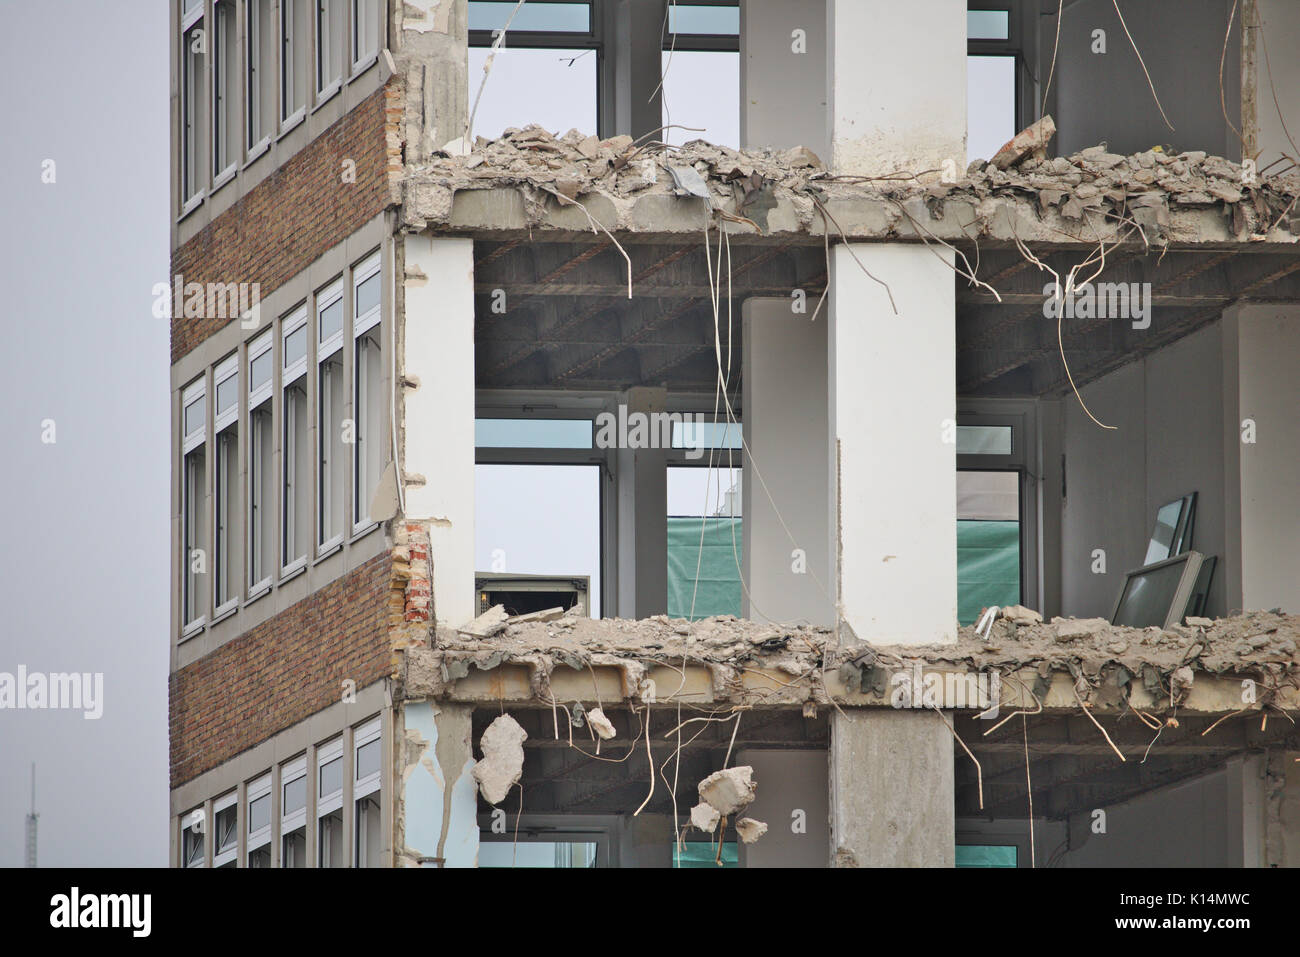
column 1168, row 412
column 783, row 93
column 1104, row 96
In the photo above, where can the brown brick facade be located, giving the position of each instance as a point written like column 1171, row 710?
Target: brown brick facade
column 297, row 213
column 282, row 671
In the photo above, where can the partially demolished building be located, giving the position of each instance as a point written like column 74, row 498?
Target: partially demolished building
column 942, row 399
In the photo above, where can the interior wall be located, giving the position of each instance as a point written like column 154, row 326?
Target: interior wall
column 1167, row 409
column 783, row 75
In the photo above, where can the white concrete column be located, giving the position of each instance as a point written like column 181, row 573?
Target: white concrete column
column 893, row 462
column 783, row 74
column 896, row 83
column 642, row 480
column 438, row 460
column 784, row 412
column 1261, row 353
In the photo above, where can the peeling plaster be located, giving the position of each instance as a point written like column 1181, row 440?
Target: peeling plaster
column 439, row 792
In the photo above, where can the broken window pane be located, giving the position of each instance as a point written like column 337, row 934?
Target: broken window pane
column 555, row 89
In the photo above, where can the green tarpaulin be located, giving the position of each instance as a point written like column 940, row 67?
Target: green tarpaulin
column 988, row 566
column 719, row 587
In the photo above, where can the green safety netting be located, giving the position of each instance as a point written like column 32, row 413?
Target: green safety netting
column 719, row 575
column 988, row 566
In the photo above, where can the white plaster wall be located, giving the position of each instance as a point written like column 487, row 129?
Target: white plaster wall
column 892, row 389
column 439, row 414
column 1168, row 412
column 784, row 412
column 896, row 81
column 782, row 92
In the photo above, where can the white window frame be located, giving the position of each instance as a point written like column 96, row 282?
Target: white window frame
column 372, row 783
column 368, row 268
column 188, row 820
column 361, row 59
column 288, row 60
column 325, row 349
column 262, row 836
column 292, row 820
column 191, row 192
column 220, row 857
column 219, row 176
column 260, row 346
column 290, row 374
column 325, row 39
column 194, row 439
column 254, row 47
column 228, row 369
column 327, row 804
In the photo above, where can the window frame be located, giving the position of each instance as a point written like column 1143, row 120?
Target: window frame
column 188, row 820
column 191, row 441
column 1023, row 112
column 220, row 79
column 264, row 344
column 369, row 267
column 290, row 821
column 701, row 42
column 254, row 54
column 288, row 53
column 363, row 787
column 290, row 375
column 191, row 94
column 256, row 840
column 225, row 802
column 327, row 804
column 326, row 349
column 323, row 12
column 225, row 371
column 360, row 61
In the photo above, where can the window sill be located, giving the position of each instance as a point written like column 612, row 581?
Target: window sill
column 225, row 611
column 257, row 591
column 222, row 178
column 327, row 94
column 290, row 122
column 193, row 628
column 360, row 68
column 257, row 150
column 329, row 548
column 361, row 531
column 191, row 204
column 290, row 572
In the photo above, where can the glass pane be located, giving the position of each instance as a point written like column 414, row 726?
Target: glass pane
column 715, row 117
column 990, row 104
column 259, row 370
column 295, row 346
column 532, row 433
column 983, row 440
column 537, row 854
column 194, row 413
column 985, row 855
column 226, row 836
column 368, row 295
column 539, row 520
column 707, row 435
column 987, row 24
column 227, row 393
column 331, row 777
column 331, row 319
column 542, row 17
column 711, row 19
column 259, row 813
column 555, row 89
column 367, row 759
column 295, row 795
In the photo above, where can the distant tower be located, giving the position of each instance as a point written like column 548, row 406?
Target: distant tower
column 31, row 824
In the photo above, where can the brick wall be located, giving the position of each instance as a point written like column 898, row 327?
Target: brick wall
column 282, row 671
column 301, row 210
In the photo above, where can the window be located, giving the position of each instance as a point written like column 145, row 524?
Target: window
column 225, row 490
column 295, row 36
column 330, row 28
column 193, row 491
column 702, row 52
column 365, row 31
column 293, row 814
column 261, row 474
column 259, row 822
column 546, row 71
column 260, row 83
column 295, row 450
column 704, row 537
column 225, row 103
column 330, row 850
column 330, row 407
column 369, row 844
column 991, row 97
column 368, row 402
column 193, row 112
column 225, row 831
column 193, row 853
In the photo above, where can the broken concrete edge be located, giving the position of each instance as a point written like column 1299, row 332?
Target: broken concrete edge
column 1244, row 661
column 531, row 180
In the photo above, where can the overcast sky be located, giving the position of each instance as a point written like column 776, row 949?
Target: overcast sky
column 84, row 566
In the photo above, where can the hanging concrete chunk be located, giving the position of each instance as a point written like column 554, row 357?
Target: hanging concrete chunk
column 603, row 727
column 750, row 830
column 729, row 791
column 502, row 764
column 704, row 818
